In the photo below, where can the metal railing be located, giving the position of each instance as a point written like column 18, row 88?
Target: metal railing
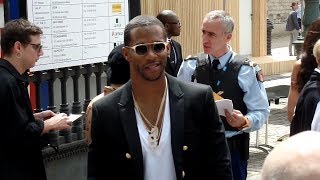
column 67, row 142
column 62, row 75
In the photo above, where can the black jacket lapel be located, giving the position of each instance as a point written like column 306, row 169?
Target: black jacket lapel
column 177, row 122
column 129, row 122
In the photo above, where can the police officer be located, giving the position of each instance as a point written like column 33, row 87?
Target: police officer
column 232, row 77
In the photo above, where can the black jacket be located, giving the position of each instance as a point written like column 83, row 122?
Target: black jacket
column 173, row 68
column 306, row 105
column 194, row 123
column 20, row 152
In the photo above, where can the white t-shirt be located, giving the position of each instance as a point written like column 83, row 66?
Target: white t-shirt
column 158, row 164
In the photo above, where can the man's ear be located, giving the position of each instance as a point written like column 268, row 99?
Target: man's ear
column 125, row 53
column 17, row 46
column 168, row 47
column 229, row 36
column 166, row 26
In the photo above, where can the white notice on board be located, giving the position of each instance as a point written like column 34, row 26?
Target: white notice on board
column 78, row 32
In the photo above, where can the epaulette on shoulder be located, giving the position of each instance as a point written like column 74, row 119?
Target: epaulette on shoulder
column 191, row 58
column 199, row 56
column 250, row 63
column 257, row 69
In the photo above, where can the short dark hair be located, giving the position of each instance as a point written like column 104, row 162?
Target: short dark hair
column 165, row 16
column 141, row 21
column 119, row 71
column 17, row 30
column 294, row 3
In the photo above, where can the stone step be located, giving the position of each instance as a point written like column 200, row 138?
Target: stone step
column 272, row 65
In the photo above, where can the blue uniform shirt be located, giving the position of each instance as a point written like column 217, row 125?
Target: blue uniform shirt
column 255, row 96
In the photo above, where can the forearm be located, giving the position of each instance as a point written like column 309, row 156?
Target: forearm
column 47, row 127
column 32, row 133
column 258, row 110
column 57, row 122
column 256, row 119
column 292, row 102
column 255, row 98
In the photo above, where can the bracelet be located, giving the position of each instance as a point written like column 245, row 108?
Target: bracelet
column 246, row 124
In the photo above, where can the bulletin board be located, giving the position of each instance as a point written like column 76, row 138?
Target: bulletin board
column 77, row 32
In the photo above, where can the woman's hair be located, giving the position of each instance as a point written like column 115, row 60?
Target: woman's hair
column 308, row 61
column 17, row 30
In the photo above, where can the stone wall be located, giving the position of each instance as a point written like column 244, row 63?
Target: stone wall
column 278, row 10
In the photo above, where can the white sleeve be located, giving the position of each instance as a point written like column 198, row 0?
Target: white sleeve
column 186, row 70
column 315, row 126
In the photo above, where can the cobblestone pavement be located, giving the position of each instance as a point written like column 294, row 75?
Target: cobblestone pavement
column 278, row 129
column 280, row 41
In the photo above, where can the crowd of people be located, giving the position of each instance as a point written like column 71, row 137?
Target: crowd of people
column 158, row 118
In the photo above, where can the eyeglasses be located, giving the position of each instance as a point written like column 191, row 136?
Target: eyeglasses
column 142, row 49
column 37, row 47
column 177, row 23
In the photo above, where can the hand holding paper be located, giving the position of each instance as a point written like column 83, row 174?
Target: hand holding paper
column 224, row 104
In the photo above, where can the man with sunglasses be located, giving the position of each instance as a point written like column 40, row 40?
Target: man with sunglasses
column 172, row 25
column 233, row 77
column 155, row 127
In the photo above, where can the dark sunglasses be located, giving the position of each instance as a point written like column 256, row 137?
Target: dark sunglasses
column 142, row 49
column 37, row 47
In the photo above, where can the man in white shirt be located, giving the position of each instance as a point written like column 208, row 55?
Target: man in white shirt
column 155, row 127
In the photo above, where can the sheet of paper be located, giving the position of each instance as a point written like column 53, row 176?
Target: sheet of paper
column 73, row 117
column 224, row 104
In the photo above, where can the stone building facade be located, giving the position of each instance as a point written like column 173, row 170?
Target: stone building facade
column 278, row 11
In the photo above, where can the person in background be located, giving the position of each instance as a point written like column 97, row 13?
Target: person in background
column 155, row 127
column 307, row 111
column 292, row 25
column 22, row 142
column 303, row 68
column 118, row 74
column 299, row 15
column 232, row 77
column 172, row 25
column 296, row 158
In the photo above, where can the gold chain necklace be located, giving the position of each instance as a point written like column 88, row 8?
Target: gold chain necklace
column 154, row 132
